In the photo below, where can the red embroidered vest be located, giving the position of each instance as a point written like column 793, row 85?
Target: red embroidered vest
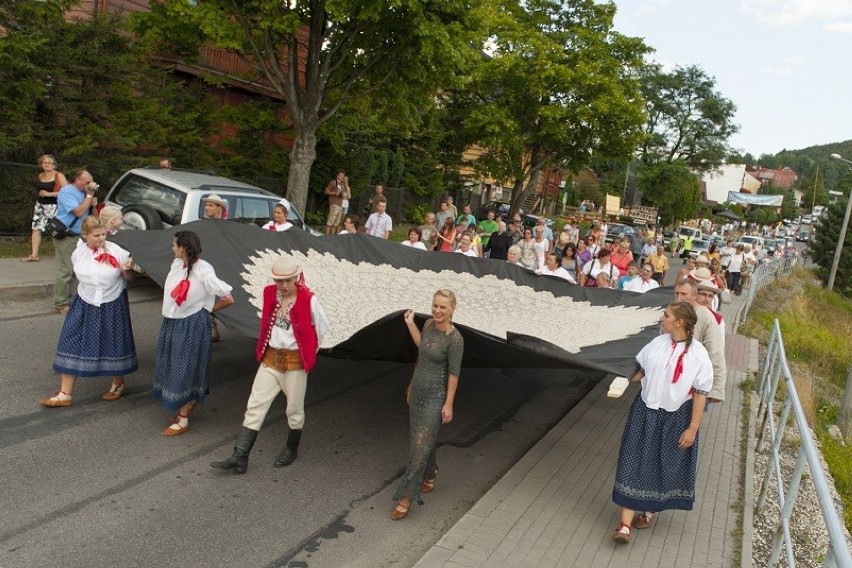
column 300, row 317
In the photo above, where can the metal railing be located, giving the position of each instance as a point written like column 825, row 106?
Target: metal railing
column 765, row 273
column 774, row 368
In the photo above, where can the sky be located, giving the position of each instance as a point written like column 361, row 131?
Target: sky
column 786, row 64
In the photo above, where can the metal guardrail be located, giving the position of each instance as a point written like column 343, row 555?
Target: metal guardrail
column 774, row 368
column 765, row 273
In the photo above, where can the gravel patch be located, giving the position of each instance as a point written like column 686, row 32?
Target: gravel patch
column 807, row 527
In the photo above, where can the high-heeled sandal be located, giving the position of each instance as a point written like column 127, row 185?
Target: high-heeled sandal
column 401, row 511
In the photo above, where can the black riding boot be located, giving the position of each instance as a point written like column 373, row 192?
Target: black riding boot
column 291, row 450
column 239, row 459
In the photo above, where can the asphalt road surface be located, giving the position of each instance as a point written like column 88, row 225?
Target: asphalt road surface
column 96, row 483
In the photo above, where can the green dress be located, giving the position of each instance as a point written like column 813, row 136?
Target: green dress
column 440, row 355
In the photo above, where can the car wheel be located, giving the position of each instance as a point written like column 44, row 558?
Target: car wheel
column 141, row 218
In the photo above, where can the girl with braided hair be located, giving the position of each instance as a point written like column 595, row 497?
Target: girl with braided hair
column 184, row 345
column 659, row 448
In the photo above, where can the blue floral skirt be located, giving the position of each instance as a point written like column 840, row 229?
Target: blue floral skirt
column 184, row 350
column 96, row 341
column 653, row 473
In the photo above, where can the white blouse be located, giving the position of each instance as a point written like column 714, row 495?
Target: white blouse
column 595, row 266
column 282, row 331
column 418, row 245
column 470, row 252
column 659, row 358
column 204, row 287
column 279, row 227
column 99, row 282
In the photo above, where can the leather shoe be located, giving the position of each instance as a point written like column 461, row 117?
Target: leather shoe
column 114, row 392
column 54, row 402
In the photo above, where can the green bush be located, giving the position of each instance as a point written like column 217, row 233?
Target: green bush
column 417, row 213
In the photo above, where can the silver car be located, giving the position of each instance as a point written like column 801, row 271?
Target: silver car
column 154, row 198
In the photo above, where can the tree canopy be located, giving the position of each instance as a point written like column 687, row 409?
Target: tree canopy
column 558, row 85
column 320, row 55
column 688, row 119
column 671, row 187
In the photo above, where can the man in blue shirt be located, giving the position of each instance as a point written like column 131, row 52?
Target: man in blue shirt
column 74, row 203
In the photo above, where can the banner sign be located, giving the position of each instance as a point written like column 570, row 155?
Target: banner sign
column 750, row 199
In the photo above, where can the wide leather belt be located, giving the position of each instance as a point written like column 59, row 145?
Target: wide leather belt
column 282, row 360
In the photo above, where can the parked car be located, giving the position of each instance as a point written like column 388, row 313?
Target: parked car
column 803, row 235
column 159, row 198
column 667, row 238
column 499, row 208
column 757, row 243
column 616, row 231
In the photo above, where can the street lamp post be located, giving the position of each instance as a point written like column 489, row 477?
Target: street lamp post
column 836, row 262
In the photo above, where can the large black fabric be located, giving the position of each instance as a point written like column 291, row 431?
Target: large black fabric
column 227, row 245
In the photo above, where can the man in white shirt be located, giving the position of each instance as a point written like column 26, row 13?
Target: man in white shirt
column 644, row 282
column 553, row 267
column 379, row 224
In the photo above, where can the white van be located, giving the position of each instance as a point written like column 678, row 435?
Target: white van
column 756, row 242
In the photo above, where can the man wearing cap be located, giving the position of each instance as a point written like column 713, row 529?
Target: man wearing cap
column 707, row 296
column 215, row 207
column 645, row 281
column 706, row 332
column 292, row 327
column 703, row 274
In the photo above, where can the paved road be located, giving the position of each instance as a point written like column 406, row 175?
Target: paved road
column 97, row 482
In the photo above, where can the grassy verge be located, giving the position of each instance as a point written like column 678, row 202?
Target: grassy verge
column 19, row 247
column 817, row 328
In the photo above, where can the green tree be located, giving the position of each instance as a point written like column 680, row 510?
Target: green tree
column 824, row 243
column 559, row 85
column 688, row 119
column 83, row 91
column 320, row 55
column 672, row 188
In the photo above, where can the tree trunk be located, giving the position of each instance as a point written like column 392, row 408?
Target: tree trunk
column 844, row 413
column 302, row 157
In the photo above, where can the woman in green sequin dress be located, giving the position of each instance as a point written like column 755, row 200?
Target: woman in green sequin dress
column 432, row 391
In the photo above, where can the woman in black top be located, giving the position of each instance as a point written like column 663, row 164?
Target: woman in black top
column 50, row 181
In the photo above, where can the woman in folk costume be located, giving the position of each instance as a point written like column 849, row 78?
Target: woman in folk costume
column 659, row 448
column 184, row 346
column 292, row 328
column 96, row 338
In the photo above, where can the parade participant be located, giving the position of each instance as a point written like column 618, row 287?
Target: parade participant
column 706, row 332
column 50, row 181
column 292, row 327
column 184, row 346
column 279, row 222
column 621, row 257
column 112, row 218
column 215, row 207
column 706, row 296
column 431, row 396
column 96, row 338
column 659, row 449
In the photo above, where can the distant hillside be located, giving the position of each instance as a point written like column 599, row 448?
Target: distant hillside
column 806, row 162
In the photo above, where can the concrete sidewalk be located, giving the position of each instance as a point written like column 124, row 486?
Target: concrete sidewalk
column 554, row 507
column 21, row 279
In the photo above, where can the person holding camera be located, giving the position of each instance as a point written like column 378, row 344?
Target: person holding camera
column 96, row 338
column 74, row 203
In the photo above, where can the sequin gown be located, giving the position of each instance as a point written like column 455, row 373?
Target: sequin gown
column 440, row 355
